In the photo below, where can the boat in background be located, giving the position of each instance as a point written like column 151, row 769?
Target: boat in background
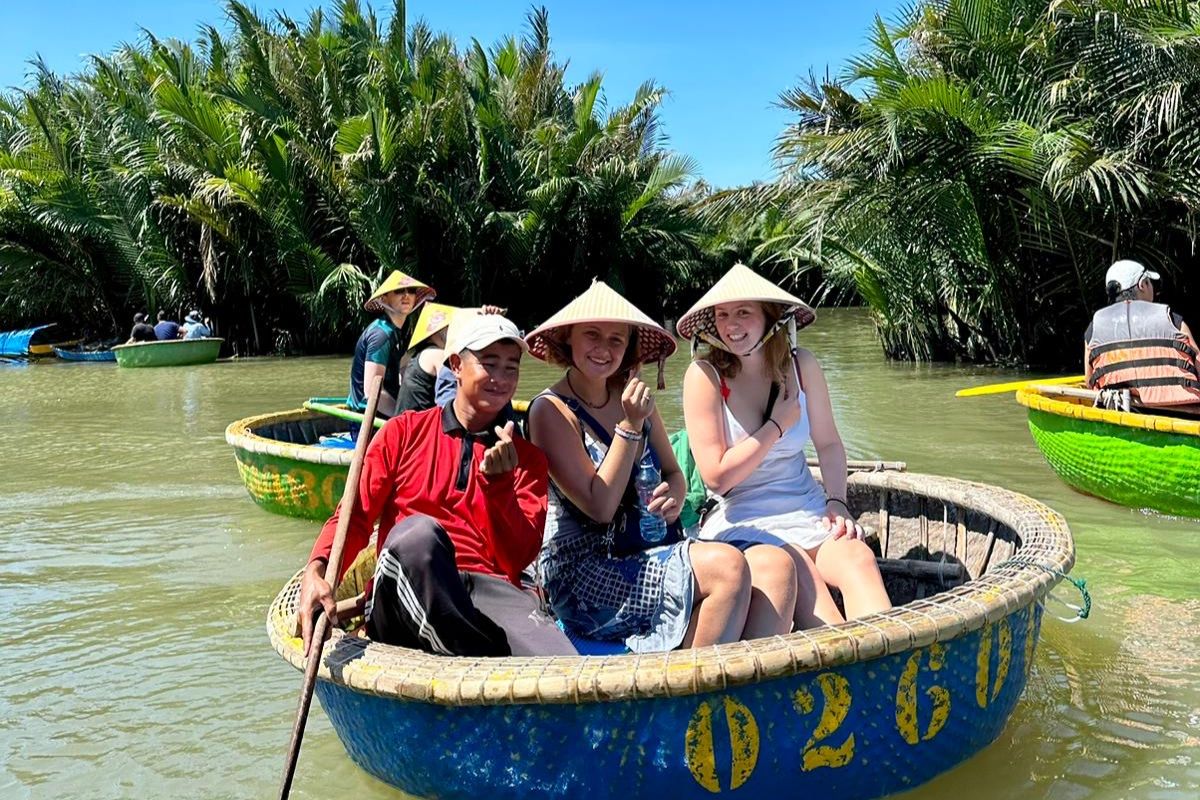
column 30, row 342
column 1133, row 459
column 73, row 354
column 168, row 353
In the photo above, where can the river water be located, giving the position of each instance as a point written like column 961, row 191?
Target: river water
column 137, row 572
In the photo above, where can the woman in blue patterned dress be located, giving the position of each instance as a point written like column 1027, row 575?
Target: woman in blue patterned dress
column 609, row 570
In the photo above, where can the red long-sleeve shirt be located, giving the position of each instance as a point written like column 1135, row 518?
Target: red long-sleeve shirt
column 427, row 463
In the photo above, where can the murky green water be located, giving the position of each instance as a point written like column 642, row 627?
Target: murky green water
column 136, row 575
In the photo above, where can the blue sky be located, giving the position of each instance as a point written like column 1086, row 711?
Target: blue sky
column 723, row 62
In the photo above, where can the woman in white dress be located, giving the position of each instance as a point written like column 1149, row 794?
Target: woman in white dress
column 750, row 405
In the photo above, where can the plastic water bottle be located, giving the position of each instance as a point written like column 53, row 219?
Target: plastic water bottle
column 646, row 479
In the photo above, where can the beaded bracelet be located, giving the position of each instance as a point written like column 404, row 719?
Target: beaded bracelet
column 627, row 434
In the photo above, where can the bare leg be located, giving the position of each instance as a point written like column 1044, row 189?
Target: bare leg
column 814, row 603
column 772, row 592
column 722, row 594
column 850, row 565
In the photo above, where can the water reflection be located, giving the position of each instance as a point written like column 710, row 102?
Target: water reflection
column 137, row 574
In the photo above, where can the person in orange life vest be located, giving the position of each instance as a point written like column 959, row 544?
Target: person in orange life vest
column 461, row 501
column 1136, row 344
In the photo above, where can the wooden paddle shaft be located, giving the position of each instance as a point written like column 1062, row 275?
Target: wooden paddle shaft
column 333, row 567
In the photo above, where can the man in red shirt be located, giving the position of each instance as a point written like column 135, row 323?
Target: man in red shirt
column 461, row 502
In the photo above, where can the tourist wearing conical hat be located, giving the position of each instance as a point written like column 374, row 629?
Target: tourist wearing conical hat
column 751, row 402
column 614, row 564
column 380, row 346
column 426, row 352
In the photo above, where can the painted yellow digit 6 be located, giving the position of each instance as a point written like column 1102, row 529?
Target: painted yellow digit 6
column 906, row 697
column 983, row 662
column 835, row 691
column 700, row 754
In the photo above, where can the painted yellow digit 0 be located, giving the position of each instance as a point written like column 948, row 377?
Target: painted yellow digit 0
column 983, row 662
column 332, row 488
column 906, row 697
column 835, row 692
column 700, row 754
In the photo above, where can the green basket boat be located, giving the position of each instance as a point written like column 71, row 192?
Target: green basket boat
column 1136, row 460
column 284, row 468
column 168, row 353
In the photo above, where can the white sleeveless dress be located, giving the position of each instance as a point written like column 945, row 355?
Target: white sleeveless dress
column 780, row 502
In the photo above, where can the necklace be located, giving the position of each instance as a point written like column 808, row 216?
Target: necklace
column 583, row 399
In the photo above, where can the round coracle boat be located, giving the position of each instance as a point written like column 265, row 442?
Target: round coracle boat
column 168, row 353
column 1134, row 459
column 858, row 710
column 284, row 468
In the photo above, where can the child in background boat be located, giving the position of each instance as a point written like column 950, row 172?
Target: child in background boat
column 380, row 348
column 613, row 564
column 750, row 402
column 142, row 331
column 427, row 358
column 461, row 500
column 1141, row 346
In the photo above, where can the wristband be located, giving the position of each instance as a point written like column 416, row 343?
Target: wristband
column 838, row 500
column 778, row 427
column 627, row 434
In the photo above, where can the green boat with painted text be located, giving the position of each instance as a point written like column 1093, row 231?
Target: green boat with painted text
column 1134, row 459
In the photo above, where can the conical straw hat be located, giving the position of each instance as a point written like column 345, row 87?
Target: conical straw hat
column 434, row 317
column 601, row 304
column 398, row 280
column 740, row 283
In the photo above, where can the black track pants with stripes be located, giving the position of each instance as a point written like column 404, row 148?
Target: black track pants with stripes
column 421, row 600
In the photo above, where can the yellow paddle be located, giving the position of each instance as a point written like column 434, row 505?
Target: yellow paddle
column 1001, row 388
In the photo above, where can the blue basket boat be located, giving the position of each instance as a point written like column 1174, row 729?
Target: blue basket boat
column 854, row 711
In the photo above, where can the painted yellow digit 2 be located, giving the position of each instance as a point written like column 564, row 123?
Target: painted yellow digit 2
column 906, row 697
column 983, row 662
column 743, row 739
column 835, row 692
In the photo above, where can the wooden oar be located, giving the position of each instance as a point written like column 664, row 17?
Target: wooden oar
column 333, row 568
column 1001, row 388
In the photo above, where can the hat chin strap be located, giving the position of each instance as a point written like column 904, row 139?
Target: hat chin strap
column 786, row 320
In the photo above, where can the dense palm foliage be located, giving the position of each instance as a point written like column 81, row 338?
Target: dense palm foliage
column 974, row 172
column 271, row 174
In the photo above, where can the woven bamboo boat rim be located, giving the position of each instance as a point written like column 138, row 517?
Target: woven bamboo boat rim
column 241, row 434
column 406, row 674
column 1030, row 397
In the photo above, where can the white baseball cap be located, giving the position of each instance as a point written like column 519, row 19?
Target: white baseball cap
column 473, row 331
column 1128, row 274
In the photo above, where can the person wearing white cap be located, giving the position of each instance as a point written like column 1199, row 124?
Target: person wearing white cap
column 460, row 500
column 751, row 402
column 614, row 563
column 1137, row 345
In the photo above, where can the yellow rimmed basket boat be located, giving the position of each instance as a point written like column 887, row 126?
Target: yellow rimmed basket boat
column 854, row 711
column 1134, row 459
column 282, row 464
